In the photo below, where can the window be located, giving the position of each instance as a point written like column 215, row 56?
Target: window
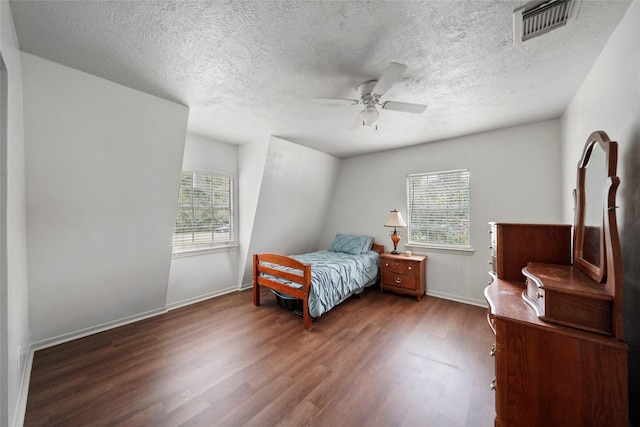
column 439, row 209
column 205, row 211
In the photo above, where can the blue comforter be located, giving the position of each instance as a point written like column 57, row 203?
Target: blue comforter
column 336, row 275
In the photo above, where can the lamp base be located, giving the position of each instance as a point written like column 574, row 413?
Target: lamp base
column 395, row 238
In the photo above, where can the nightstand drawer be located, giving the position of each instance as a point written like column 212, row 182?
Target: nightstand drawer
column 399, row 266
column 399, row 280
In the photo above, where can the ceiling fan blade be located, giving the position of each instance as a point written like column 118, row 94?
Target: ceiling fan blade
column 392, row 74
column 335, row 101
column 404, row 107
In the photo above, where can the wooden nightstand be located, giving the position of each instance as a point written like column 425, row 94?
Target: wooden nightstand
column 403, row 274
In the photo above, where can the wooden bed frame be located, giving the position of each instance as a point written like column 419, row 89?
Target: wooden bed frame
column 304, row 278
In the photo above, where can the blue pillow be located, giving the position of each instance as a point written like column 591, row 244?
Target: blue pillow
column 368, row 244
column 351, row 244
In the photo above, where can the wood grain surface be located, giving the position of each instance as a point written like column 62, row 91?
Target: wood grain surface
column 380, row 360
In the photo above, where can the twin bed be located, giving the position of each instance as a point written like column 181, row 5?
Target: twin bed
column 322, row 279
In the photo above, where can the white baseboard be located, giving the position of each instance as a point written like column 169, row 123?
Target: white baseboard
column 246, row 286
column 23, row 392
column 199, row 298
column 60, row 339
column 457, row 298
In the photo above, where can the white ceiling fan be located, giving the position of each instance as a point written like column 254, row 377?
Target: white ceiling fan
column 370, row 93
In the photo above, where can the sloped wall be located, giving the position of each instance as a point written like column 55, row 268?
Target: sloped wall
column 103, row 172
column 293, row 201
column 251, row 163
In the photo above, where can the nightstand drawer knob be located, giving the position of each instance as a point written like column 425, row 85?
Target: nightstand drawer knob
column 386, row 264
column 409, row 268
column 397, row 280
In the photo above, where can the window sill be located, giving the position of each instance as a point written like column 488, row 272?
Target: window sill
column 441, row 249
column 182, row 253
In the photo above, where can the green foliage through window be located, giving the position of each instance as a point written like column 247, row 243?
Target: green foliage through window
column 205, row 210
column 438, row 209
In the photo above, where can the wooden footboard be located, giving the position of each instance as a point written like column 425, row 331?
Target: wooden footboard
column 304, row 278
column 302, row 275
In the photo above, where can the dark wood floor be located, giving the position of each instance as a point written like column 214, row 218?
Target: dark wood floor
column 382, row 360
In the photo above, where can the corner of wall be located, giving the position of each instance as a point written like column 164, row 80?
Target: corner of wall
column 14, row 295
column 252, row 159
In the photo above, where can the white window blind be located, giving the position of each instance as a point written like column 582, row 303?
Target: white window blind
column 439, row 209
column 205, row 211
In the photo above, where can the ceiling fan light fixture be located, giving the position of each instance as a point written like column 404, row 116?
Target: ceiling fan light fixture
column 370, row 93
column 369, row 115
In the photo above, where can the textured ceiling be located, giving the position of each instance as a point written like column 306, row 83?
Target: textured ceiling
column 250, row 69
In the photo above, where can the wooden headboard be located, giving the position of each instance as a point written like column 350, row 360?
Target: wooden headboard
column 378, row 248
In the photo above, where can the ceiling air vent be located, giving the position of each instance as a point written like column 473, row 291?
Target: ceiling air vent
column 540, row 17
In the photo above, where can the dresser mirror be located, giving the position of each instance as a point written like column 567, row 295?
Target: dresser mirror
column 567, row 314
column 597, row 165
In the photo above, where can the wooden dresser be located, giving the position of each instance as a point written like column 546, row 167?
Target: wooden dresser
column 550, row 375
column 403, row 274
column 556, row 311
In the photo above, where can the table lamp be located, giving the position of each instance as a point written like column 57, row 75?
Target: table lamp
column 395, row 220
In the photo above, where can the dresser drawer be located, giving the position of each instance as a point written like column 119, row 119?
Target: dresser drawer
column 561, row 294
column 534, row 295
column 399, row 266
column 399, row 280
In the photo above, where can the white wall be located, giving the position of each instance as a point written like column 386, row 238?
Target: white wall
column 195, row 277
column 14, row 295
column 295, row 192
column 514, row 178
column 609, row 100
column 252, row 158
column 103, row 173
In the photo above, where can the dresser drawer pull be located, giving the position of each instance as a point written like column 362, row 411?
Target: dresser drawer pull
column 409, row 268
column 386, row 264
column 539, row 295
column 492, row 386
column 492, row 352
column 397, row 280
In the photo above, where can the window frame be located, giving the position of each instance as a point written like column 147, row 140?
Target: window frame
column 445, row 247
column 208, row 246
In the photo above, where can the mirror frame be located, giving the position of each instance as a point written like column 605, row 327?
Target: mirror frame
column 596, row 272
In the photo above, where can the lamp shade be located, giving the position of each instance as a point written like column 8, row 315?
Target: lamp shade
column 395, row 220
column 369, row 115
